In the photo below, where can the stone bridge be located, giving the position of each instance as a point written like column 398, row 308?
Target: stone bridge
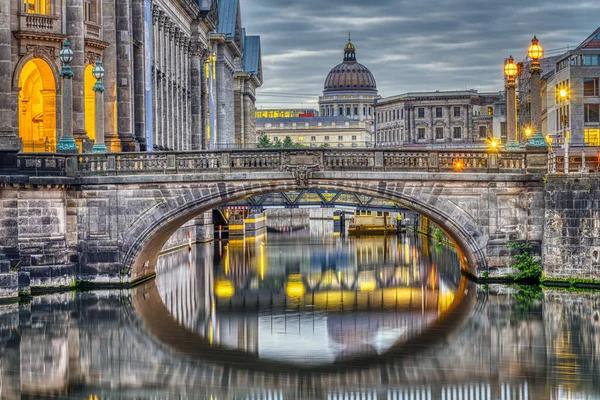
column 105, row 217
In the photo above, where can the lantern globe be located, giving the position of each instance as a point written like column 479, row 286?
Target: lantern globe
column 98, row 70
column 66, row 54
column 535, row 51
column 510, row 68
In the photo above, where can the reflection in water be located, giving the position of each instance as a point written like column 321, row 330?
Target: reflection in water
column 311, row 299
column 155, row 341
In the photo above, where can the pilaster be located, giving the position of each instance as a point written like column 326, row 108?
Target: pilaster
column 10, row 143
column 75, row 33
column 109, row 60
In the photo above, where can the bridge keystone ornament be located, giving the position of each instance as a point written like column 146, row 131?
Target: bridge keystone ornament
column 302, row 164
column 302, row 173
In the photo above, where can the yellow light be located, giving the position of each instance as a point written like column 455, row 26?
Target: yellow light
column 549, row 139
column 510, row 68
column 535, row 51
column 527, row 132
column 458, row 166
column 563, row 94
column 224, row 289
column 367, row 286
column 295, row 289
column 494, row 144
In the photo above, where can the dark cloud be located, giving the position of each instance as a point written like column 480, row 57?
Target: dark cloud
column 409, row 45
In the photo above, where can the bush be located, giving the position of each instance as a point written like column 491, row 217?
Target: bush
column 529, row 268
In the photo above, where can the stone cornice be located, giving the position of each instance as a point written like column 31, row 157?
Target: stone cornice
column 96, row 43
column 48, row 37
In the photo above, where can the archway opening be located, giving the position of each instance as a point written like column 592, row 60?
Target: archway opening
column 90, row 102
column 37, row 107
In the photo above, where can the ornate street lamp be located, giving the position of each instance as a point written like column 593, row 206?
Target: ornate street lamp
column 67, row 143
column 536, row 52
column 511, row 70
column 564, row 95
column 98, row 72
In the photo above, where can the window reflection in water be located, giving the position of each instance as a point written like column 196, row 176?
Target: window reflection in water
column 310, row 298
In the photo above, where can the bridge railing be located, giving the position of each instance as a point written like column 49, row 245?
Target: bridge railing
column 401, row 160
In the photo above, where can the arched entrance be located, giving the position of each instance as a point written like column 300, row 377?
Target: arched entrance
column 37, row 107
column 90, row 102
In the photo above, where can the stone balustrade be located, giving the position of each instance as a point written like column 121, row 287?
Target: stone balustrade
column 40, row 23
column 406, row 160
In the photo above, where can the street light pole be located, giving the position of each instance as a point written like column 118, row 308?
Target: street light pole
column 67, row 143
column 511, row 70
column 536, row 52
column 98, row 72
column 564, row 122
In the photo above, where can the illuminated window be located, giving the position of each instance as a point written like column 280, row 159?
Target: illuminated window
column 300, row 138
column 591, row 137
column 421, row 112
column 37, row 6
column 439, row 133
column 490, row 110
column 457, row 132
column 421, row 133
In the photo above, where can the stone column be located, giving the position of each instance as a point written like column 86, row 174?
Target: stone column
column 450, row 133
column 196, row 82
column 250, row 138
column 75, row 33
column 99, row 147
column 139, row 73
column 109, row 60
column 430, row 138
column 10, row 143
column 511, row 115
column 225, row 100
column 167, row 85
column 124, row 76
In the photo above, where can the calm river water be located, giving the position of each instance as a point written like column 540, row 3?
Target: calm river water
column 305, row 314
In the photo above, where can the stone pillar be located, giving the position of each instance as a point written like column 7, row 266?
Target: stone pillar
column 450, row 133
column 109, row 60
column 139, row 73
column 10, row 143
column 225, row 100
column 250, row 138
column 75, row 33
column 196, row 83
column 430, row 135
column 511, row 115
column 124, row 77
column 49, row 99
column 99, row 147
column 167, row 85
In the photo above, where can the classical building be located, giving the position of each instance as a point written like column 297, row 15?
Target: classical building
column 337, row 132
column 440, row 118
column 350, row 89
column 578, row 72
column 180, row 74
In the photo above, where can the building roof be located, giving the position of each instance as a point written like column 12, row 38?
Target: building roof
column 350, row 75
column 437, row 94
column 228, row 17
column 252, row 54
column 342, row 120
column 591, row 42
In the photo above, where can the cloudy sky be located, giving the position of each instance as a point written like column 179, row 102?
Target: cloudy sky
column 409, row 45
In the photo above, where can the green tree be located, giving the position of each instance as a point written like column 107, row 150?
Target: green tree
column 264, row 142
column 288, row 143
column 324, row 146
column 530, row 270
column 278, row 144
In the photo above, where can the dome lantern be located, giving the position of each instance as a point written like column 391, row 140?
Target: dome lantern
column 350, row 75
column 349, row 51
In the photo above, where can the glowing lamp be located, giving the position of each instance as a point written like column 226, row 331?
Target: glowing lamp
column 98, row 70
column 295, row 289
column 66, row 54
column 494, row 144
column 535, row 51
column 527, row 132
column 224, row 289
column 510, row 68
column 549, row 139
column 563, row 94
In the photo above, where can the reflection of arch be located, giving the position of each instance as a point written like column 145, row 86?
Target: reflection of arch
column 144, row 240
column 90, row 102
column 37, row 106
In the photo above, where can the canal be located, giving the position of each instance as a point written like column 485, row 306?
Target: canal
column 305, row 314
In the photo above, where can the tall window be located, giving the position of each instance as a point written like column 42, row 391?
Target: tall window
column 592, row 113
column 457, row 111
column 355, row 110
column 421, row 133
column 91, row 11
column 456, row 132
column 348, row 111
column 591, row 137
column 341, row 112
column 37, row 6
column 482, row 131
column 421, row 112
column 439, row 132
column 590, row 87
column 438, row 112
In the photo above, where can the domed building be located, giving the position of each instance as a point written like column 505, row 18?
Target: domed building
column 350, row 89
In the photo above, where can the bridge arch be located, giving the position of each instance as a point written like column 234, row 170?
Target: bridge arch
column 143, row 241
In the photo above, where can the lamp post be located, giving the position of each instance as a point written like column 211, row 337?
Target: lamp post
column 67, row 143
column 98, row 72
column 535, row 52
column 563, row 94
column 510, row 70
column 549, row 140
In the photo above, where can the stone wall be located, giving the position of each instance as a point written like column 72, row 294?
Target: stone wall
column 201, row 230
column 572, row 227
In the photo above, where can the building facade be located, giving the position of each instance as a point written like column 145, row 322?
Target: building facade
column 174, row 69
column 578, row 72
column 335, row 132
column 286, row 112
column 350, row 89
column 440, row 118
